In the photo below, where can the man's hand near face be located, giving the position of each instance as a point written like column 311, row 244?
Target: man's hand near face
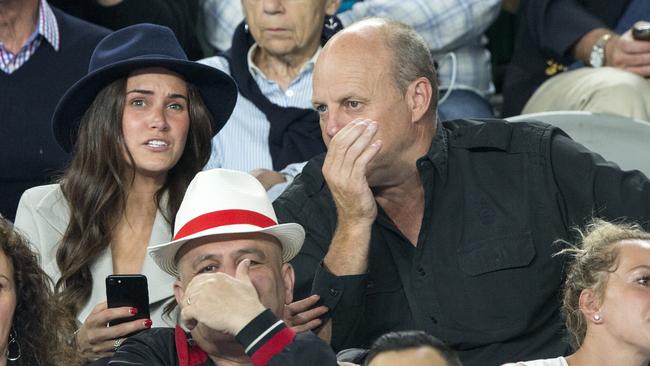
column 220, row 302
column 345, row 168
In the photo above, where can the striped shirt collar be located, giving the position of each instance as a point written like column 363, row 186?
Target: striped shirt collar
column 47, row 25
column 254, row 70
column 47, row 28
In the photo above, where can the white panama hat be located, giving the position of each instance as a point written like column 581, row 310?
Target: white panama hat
column 221, row 201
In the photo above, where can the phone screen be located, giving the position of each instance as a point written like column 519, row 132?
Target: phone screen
column 128, row 290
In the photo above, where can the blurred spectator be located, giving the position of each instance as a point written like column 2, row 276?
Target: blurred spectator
column 140, row 123
column 446, row 227
column 606, row 298
column 43, row 51
column 229, row 257
column 453, row 30
column 413, row 348
column 34, row 328
column 579, row 55
column 179, row 15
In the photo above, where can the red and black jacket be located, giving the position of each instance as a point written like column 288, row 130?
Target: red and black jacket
column 266, row 340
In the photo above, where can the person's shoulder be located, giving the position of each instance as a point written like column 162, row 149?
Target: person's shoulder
column 497, row 134
column 71, row 26
column 35, row 195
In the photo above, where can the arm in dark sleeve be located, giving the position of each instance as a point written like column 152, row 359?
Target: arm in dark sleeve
column 344, row 296
column 291, row 207
column 268, row 341
column 556, row 25
column 591, row 186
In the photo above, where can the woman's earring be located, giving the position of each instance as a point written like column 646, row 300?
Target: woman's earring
column 597, row 318
column 246, row 28
column 13, row 348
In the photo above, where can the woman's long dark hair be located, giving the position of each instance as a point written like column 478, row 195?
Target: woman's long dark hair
column 96, row 185
column 41, row 324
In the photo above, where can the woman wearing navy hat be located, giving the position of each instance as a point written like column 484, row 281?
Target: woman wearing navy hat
column 139, row 125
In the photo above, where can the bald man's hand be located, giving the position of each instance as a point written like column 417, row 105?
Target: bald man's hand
column 349, row 154
column 220, row 302
column 345, row 167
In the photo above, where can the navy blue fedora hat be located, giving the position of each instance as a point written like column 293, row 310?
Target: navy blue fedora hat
column 132, row 48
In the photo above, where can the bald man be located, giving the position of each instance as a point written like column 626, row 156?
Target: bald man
column 443, row 227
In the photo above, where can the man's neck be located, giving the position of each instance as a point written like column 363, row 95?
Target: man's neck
column 18, row 20
column 281, row 69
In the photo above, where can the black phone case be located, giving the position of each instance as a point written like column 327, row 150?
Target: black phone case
column 642, row 32
column 128, row 290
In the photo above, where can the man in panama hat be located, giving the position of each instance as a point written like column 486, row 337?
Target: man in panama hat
column 230, row 258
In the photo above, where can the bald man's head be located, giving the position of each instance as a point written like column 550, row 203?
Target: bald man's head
column 400, row 50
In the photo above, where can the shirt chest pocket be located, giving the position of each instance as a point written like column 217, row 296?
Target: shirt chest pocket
column 498, row 282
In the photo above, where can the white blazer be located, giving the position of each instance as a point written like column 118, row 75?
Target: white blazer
column 43, row 216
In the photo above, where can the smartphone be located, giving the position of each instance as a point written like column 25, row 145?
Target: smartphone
column 128, row 290
column 641, row 31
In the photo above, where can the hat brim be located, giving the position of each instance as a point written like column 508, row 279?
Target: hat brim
column 291, row 237
column 218, row 90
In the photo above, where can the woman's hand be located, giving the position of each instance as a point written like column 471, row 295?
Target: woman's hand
column 96, row 340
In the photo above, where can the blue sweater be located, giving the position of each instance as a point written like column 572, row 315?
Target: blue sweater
column 29, row 155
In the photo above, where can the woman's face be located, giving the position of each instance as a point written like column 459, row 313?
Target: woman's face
column 155, row 120
column 625, row 309
column 7, row 300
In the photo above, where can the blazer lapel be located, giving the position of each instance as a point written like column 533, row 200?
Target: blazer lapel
column 160, row 283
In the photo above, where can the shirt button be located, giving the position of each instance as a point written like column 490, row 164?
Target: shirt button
column 289, row 93
column 334, row 292
column 421, row 271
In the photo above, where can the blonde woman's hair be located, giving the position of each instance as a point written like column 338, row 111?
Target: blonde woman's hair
column 592, row 262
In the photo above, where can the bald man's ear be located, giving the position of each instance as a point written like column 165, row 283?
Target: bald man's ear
column 289, row 278
column 332, row 6
column 418, row 97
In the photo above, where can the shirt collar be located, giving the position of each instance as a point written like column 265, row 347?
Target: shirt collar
column 254, row 70
column 438, row 151
column 47, row 25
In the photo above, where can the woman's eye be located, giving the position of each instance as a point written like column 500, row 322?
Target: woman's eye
column 644, row 281
column 137, row 102
column 176, row 107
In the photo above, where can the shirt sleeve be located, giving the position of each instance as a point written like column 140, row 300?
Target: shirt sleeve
column 556, row 25
column 220, row 18
column 444, row 24
column 344, row 296
column 268, row 341
column 591, row 186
